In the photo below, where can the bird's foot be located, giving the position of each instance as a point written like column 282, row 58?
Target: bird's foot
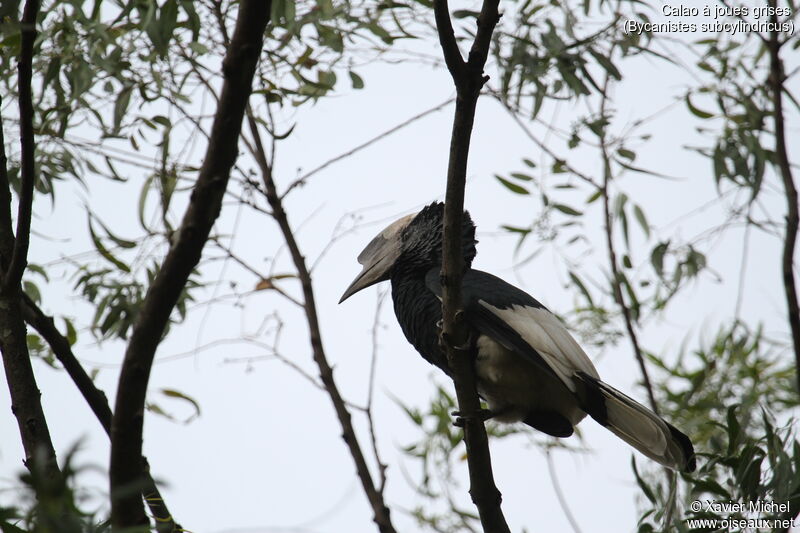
column 481, row 414
column 446, row 340
column 463, row 347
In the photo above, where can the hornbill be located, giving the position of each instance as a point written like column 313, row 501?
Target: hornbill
column 528, row 367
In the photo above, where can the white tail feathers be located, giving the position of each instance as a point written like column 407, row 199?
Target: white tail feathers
column 636, row 424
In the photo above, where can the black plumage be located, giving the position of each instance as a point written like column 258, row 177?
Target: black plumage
column 528, row 366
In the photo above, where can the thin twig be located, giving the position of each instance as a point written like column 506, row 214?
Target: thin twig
column 241, row 262
column 376, row 324
column 380, row 510
column 562, row 501
column 616, row 275
column 742, row 272
column 302, row 179
column 204, row 206
column 542, row 146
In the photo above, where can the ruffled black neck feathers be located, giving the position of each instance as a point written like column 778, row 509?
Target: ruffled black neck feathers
column 422, row 241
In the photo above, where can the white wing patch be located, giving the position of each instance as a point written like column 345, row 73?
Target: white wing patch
column 543, row 332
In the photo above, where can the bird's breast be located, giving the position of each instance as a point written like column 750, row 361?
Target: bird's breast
column 418, row 311
column 514, row 386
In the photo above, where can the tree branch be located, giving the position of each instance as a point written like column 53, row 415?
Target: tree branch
column 616, row 276
column 776, row 79
column 126, row 430
column 25, row 396
column 369, row 142
column 380, row 511
column 469, row 79
column 447, row 40
column 19, row 257
column 6, row 225
column 97, row 401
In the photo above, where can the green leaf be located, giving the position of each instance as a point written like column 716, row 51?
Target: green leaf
column 326, row 78
column 513, row 187
column 657, row 257
column 567, row 210
column 356, row 80
column 606, row 63
column 521, row 176
column 161, row 119
column 122, row 243
column 594, row 196
column 198, row 48
column 523, row 234
column 32, row 291
column 710, row 486
column 619, row 203
column 289, row 12
column 121, row 106
column 172, row 393
column 578, row 283
column 733, row 427
column 514, row 229
column 33, row 267
column 167, row 20
column 538, row 100
column 695, row 111
column 623, row 220
column 642, row 484
column 72, row 334
column 639, row 214
column 103, row 251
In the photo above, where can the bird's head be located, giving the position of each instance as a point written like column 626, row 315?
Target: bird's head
column 410, row 244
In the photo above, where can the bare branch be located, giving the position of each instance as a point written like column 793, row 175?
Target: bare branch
column 469, row 79
column 370, row 392
column 447, row 39
column 302, row 179
column 204, row 207
column 25, row 396
column 616, row 276
column 19, row 257
column 776, row 79
column 97, row 401
column 562, row 501
column 380, row 510
column 542, row 146
column 6, row 231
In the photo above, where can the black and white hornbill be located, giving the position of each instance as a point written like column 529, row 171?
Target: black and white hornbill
column 528, row 366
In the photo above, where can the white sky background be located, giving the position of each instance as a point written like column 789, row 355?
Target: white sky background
column 266, row 454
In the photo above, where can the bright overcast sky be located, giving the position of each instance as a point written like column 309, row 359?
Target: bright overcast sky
column 266, row 453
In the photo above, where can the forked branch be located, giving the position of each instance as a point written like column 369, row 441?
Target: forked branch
column 98, row 403
column 469, row 79
column 40, row 456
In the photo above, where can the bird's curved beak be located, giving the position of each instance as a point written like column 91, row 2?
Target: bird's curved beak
column 378, row 257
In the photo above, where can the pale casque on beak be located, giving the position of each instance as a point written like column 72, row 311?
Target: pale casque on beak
column 378, row 257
